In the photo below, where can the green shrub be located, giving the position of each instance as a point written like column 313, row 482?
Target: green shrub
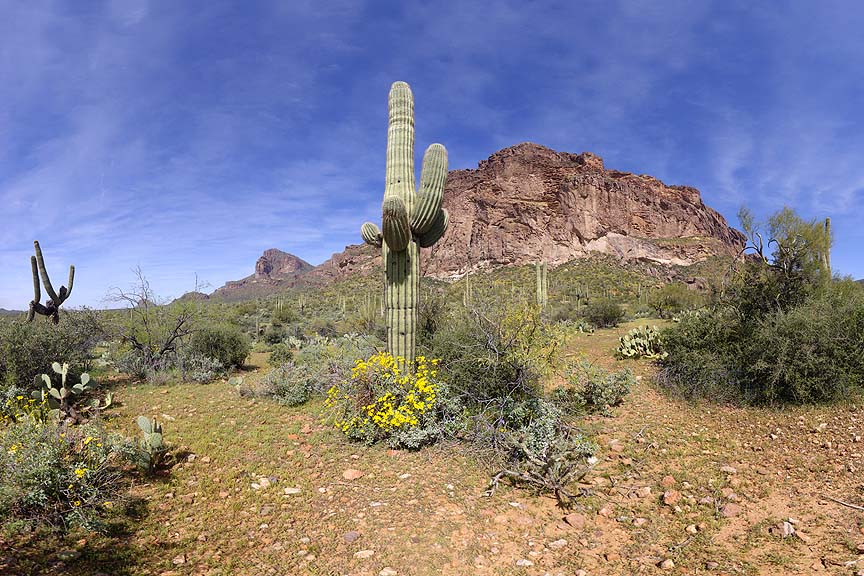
column 274, row 334
column 280, row 354
column 495, row 354
column 223, row 343
column 54, row 479
column 672, row 299
column 593, row 389
column 807, row 353
column 604, row 313
column 329, row 361
column 195, row 367
column 288, row 383
column 27, row 349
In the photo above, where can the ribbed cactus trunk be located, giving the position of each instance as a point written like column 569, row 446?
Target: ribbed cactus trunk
column 410, row 220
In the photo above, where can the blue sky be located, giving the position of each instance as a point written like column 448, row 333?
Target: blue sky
column 187, row 137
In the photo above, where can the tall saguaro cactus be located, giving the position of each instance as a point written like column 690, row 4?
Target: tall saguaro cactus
column 51, row 308
column 410, row 220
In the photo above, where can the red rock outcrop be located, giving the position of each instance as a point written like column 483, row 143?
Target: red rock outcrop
column 274, row 270
column 529, row 202
column 526, row 203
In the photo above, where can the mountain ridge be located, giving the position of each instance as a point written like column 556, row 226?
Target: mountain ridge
column 526, row 203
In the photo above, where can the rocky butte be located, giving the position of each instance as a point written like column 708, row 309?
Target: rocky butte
column 274, row 270
column 528, row 202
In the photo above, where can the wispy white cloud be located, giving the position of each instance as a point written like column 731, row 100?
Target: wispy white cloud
column 188, row 138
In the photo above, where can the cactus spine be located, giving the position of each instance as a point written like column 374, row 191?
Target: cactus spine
column 51, row 308
column 410, row 220
column 542, row 284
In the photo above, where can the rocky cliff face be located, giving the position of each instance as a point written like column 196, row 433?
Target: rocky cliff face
column 526, row 203
column 274, row 270
column 529, row 202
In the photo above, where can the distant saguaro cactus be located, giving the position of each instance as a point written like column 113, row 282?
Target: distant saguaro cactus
column 410, row 220
column 51, row 308
column 542, row 284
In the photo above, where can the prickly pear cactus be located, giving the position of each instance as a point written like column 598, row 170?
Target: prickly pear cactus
column 410, row 220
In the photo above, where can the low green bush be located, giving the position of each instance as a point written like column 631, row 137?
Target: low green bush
column 58, row 479
column 280, row 354
column 27, row 349
column 226, row 344
column 604, row 313
column 288, row 383
column 591, row 388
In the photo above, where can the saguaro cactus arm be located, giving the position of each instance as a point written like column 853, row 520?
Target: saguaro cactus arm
column 371, row 234
column 51, row 308
column 431, row 193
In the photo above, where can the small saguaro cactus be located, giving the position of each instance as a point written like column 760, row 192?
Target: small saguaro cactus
column 410, row 220
column 51, row 308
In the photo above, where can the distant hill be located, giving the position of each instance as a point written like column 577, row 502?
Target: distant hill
column 526, row 203
column 275, row 270
column 4, row 312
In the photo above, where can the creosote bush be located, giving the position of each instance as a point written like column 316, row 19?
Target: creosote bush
column 783, row 331
column 223, row 343
column 604, row 313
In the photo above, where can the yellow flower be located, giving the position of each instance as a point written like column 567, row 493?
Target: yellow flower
column 79, row 472
column 88, row 440
column 76, row 503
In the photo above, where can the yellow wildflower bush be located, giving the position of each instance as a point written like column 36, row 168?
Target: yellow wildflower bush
column 386, row 397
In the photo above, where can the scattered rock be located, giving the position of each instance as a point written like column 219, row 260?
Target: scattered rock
column 575, row 520
column 387, row 571
column 205, row 459
column 639, row 522
column 291, row 491
column 558, row 544
column 730, row 510
column 712, row 565
column 352, row 474
column 580, row 572
column 351, row 536
column 605, row 511
column 668, row 481
column 524, row 562
column 729, row 470
column 405, row 476
column 692, row 529
column 667, row 564
column 643, row 492
column 363, row 554
column 612, row 556
column 67, row 555
column 179, row 559
column 671, row 497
